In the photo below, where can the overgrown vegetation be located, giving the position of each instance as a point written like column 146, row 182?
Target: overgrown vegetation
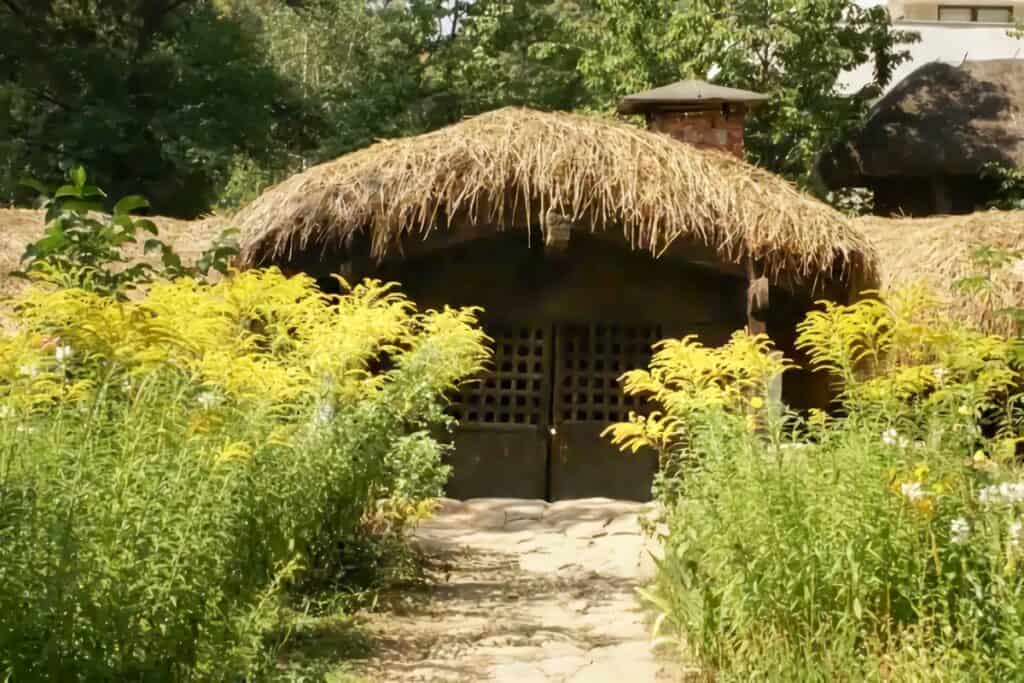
column 83, row 247
column 172, row 465
column 884, row 543
column 202, row 103
column 1008, row 194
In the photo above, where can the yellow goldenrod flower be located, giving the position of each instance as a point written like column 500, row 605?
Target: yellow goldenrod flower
column 964, row 410
column 757, row 403
column 235, row 450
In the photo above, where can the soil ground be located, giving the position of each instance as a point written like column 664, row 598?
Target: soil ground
column 523, row 591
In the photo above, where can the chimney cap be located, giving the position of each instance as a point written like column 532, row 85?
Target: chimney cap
column 687, row 95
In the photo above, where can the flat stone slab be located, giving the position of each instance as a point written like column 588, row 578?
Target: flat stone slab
column 525, row 590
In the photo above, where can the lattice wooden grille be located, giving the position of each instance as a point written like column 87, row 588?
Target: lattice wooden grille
column 590, row 359
column 516, row 390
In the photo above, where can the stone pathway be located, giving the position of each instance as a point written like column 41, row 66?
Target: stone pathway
column 523, row 591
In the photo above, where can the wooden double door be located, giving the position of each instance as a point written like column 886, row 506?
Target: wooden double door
column 531, row 425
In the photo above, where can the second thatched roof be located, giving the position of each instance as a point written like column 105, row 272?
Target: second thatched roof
column 940, row 120
column 512, row 167
column 938, row 251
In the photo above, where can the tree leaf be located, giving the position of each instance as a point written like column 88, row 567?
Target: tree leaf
column 78, row 176
column 35, row 185
column 152, row 244
column 130, row 203
column 81, row 206
column 146, row 225
column 67, row 191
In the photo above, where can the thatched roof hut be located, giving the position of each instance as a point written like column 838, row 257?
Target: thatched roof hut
column 516, row 167
column 585, row 241
column 938, row 251
column 940, row 126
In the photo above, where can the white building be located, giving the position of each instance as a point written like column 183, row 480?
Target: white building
column 951, row 32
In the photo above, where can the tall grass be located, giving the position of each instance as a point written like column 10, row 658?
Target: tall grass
column 169, row 466
column 881, row 544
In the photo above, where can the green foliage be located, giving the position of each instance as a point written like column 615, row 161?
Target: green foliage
column 853, row 201
column 169, row 466
column 164, row 93
column 202, row 102
column 885, row 544
column 1009, row 186
column 793, row 50
column 83, row 247
column 988, row 289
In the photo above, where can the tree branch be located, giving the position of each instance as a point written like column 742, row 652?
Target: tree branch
column 14, row 8
column 41, row 94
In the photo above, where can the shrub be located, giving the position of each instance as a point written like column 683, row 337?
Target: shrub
column 83, row 247
column 167, row 465
column 880, row 544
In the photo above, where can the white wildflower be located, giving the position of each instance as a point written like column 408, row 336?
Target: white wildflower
column 1005, row 494
column 5, row 412
column 207, row 400
column 959, row 531
column 890, row 437
column 24, row 429
column 912, row 491
column 324, row 414
column 939, row 373
column 63, row 353
column 31, row 371
column 1014, row 534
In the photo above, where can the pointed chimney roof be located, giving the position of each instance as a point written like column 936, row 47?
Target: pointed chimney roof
column 690, row 94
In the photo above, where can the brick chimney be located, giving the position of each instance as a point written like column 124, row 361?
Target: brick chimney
column 702, row 114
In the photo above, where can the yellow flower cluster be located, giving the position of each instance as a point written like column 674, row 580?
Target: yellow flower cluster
column 686, row 378
column 256, row 337
column 903, row 346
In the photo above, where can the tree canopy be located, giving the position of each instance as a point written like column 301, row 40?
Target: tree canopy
column 203, row 102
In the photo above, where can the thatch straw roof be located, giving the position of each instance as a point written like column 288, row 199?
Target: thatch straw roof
column 940, row 120
column 512, row 167
column 938, row 251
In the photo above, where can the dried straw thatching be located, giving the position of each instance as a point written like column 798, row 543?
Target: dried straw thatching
column 511, row 167
column 940, row 120
column 938, row 251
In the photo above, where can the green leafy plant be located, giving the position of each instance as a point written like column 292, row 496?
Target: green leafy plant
column 989, row 288
column 1009, row 185
column 882, row 543
column 171, row 465
column 853, row 201
column 84, row 247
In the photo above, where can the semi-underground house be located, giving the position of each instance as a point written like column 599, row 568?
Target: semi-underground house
column 584, row 240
